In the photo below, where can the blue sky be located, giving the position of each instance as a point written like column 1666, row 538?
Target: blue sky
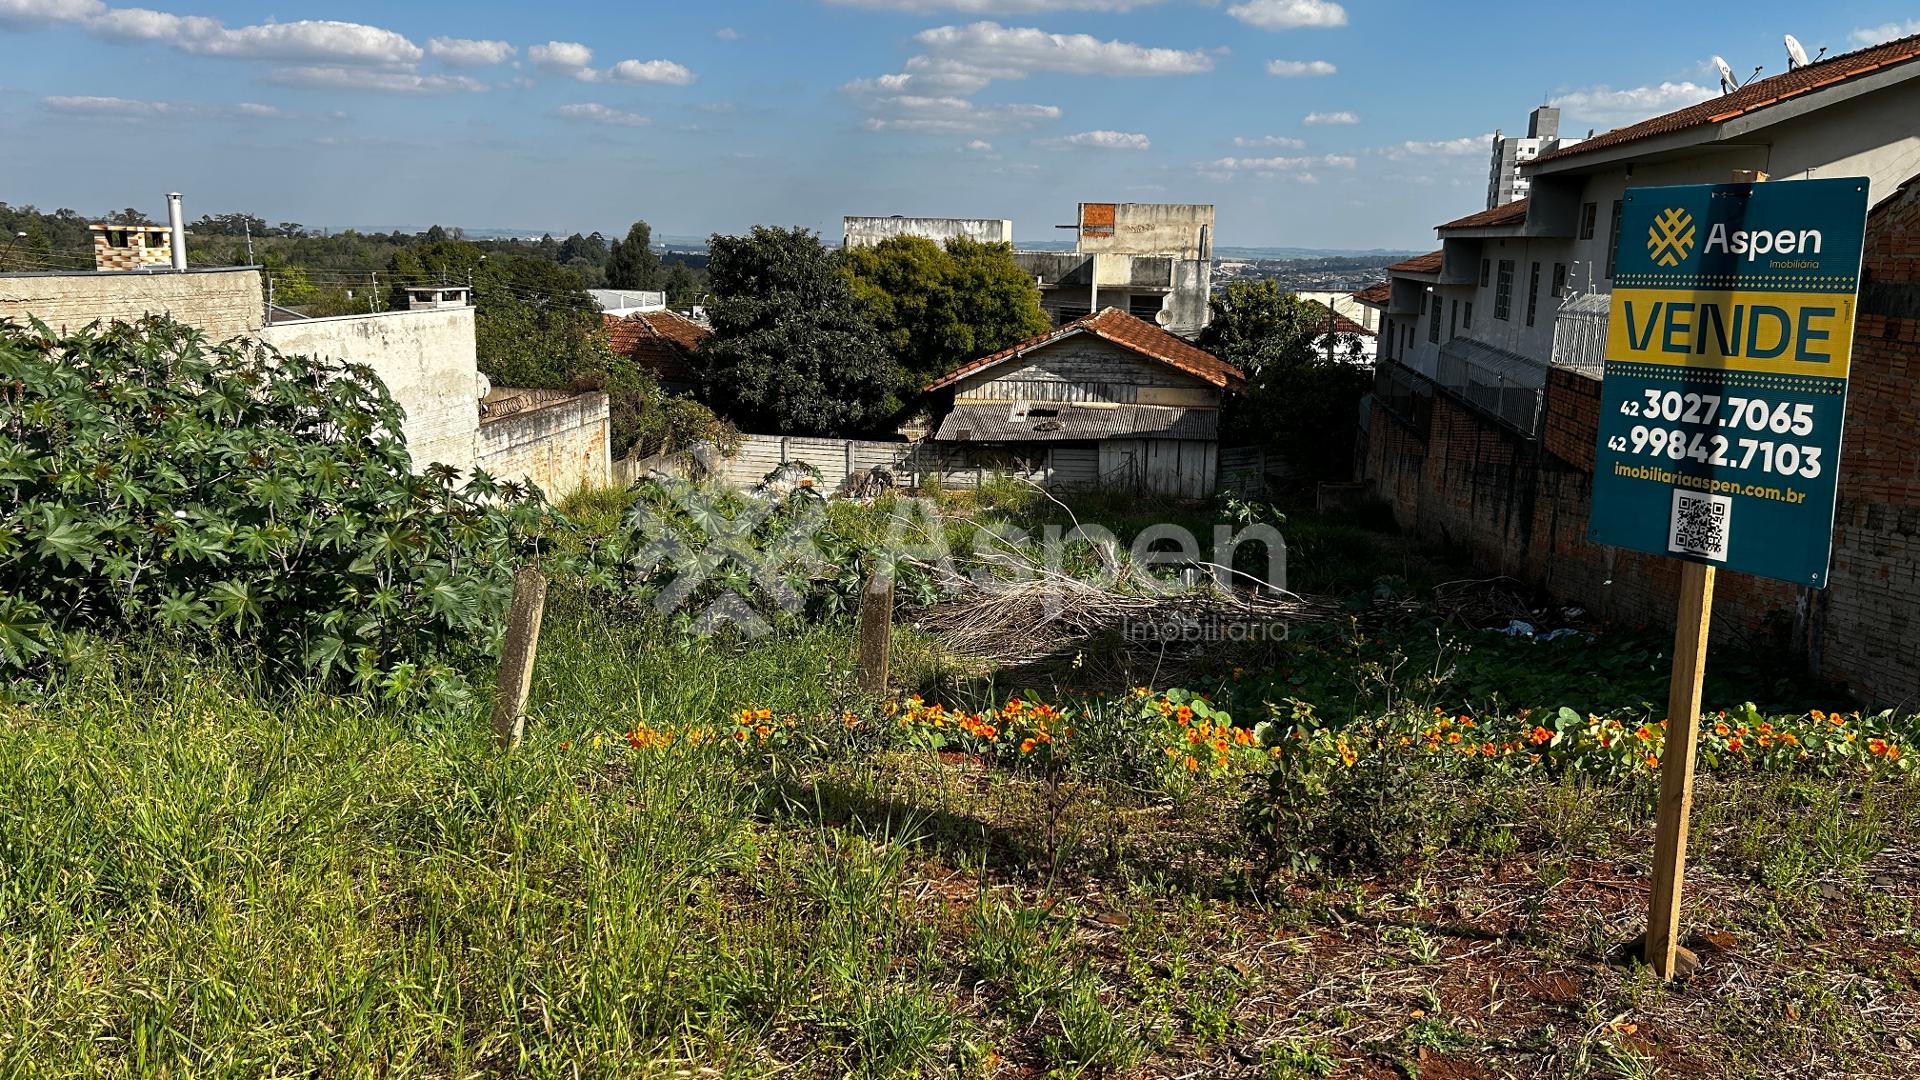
column 1308, row 122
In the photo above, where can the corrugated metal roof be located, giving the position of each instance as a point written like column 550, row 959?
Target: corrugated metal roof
column 1075, row 423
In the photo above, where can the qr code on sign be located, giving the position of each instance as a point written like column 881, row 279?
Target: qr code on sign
column 1700, row 524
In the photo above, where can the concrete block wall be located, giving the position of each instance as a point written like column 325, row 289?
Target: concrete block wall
column 427, row 360
column 561, row 446
column 223, row 303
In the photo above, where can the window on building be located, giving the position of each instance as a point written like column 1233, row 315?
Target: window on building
column 1433, row 322
column 1143, row 307
column 1467, row 322
column 1559, row 281
column 1588, row 211
column 1486, row 270
column 1613, row 237
column 1503, row 292
column 1386, row 340
column 1423, row 303
column 1453, row 320
column 1533, row 293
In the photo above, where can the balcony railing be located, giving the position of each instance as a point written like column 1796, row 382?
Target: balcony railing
column 1580, row 333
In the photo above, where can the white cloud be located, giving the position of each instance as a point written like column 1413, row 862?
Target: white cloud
column 1603, row 105
column 468, row 51
column 1284, row 142
column 919, row 115
column 1866, row 35
column 1318, row 118
column 1006, row 52
column 1100, row 140
column 337, row 77
column 118, row 108
column 1289, row 14
column 561, row 57
column 42, row 12
column 1464, row 146
column 316, row 40
column 596, row 113
column 649, row 71
column 1283, row 164
column 993, row 7
column 980, row 146
column 726, row 33
column 1293, row 69
column 576, row 60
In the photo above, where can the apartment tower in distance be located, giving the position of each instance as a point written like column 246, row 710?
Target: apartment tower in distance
column 1504, row 182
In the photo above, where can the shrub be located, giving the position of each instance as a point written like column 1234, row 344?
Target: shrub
column 149, row 479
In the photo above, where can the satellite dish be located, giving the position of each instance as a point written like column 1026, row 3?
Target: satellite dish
column 1796, row 56
column 1728, row 84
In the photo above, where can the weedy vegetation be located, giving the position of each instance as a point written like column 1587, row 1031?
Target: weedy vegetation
column 1392, row 844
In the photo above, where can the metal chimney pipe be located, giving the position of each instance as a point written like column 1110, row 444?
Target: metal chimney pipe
column 179, row 226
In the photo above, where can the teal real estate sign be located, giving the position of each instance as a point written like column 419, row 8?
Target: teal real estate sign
column 1728, row 346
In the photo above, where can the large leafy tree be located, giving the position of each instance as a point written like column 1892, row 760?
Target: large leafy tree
column 792, row 350
column 1304, row 383
column 938, row 307
column 631, row 263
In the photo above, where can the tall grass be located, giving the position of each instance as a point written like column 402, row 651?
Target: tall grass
column 203, row 877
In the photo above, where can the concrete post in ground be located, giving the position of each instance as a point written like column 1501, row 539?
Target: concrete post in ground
column 517, row 656
column 876, row 631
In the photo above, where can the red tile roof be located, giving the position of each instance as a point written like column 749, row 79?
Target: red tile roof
column 1420, row 264
column 663, row 342
column 1335, row 323
column 1123, row 330
column 1376, row 295
column 1513, row 213
column 1754, row 96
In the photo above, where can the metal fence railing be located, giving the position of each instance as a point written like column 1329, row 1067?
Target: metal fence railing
column 1580, row 333
column 1504, row 385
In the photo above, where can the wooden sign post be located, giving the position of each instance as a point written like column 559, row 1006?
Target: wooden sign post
column 1716, row 447
column 517, row 655
column 1662, row 943
column 876, row 631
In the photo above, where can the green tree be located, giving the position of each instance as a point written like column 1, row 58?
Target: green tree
column 938, row 307
column 631, row 263
column 792, row 351
column 1303, row 390
column 682, row 285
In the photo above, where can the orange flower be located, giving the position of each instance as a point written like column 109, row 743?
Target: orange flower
column 1877, row 747
column 1184, row 713
column 1645, row 734
column 1734, row 744
column 1721, row 730
column 1653, row 761
column 1026, row 746
column 1453, row 737
column 1192, row 765
column 1540, row 735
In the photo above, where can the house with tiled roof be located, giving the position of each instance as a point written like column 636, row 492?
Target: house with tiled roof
column 1515, row 289
column 1483, row 422
column 1107, row 401
column 662, row 342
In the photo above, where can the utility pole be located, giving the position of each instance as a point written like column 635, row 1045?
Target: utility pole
column 246, row 228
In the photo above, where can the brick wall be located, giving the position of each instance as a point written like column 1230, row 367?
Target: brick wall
column 223, row 303
column 1521, row 509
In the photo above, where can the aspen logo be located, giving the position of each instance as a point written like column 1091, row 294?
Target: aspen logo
column 1755, row 244
column 1671, row 236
